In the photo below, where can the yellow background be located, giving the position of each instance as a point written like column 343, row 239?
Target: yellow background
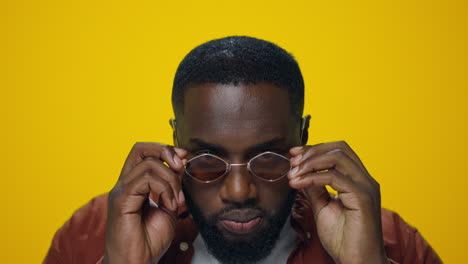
column 81, row 81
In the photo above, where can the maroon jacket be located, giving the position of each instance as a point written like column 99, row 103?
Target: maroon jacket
column 81, row 239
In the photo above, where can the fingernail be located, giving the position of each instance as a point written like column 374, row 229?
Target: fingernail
column 294, row 180
column 179, row 151
column 294, row 171
column 181, row 197
column 176, row 160
column 298, row 158
column 297, row 148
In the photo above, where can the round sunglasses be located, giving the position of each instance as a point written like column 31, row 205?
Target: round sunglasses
column 268, row 166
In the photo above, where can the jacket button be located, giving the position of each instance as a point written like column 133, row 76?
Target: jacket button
column 308, row 235
column 183, row 246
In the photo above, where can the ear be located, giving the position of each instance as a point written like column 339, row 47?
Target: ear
column 305, row 129
column 172, row 122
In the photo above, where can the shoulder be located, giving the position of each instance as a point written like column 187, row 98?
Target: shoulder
column 90, row 216
column 403, row 242
column 391, row 222
column 82, row 237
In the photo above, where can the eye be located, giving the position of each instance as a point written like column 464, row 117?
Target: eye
column 205, row 161
column 267, row 156
column 207, row 158
column 202, row 157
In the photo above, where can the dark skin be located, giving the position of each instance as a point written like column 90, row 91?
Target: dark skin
column 236, row 123
column 238, row 132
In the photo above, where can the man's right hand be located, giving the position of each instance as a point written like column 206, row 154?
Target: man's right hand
column 138, row 231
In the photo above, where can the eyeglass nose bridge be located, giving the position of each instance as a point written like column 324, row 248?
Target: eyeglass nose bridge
column 229, row 165
column 237, row 165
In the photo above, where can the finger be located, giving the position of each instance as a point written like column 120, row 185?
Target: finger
column 351, row 195
column 138, row 152
column 331, row 177
column 147, row 184
column 172, row 214
column 182, row 153
column 317, row 195
column 169, row 155
column 335, row 159
column 296, row 150
column 174, row 154
column 157, row 169
column 173, row 178
column 306, row 152
column 141, row 150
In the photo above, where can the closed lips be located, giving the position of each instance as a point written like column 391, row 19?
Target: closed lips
column 241, row 222
column 241, row 216
column 242, row 227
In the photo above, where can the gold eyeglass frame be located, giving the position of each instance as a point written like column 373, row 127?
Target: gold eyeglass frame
column 304, row 126
column 230, row 165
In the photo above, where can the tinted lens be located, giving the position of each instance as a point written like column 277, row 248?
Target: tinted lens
column 270, row 166
column 206, row 167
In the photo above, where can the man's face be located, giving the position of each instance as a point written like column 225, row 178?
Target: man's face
column 239, row 216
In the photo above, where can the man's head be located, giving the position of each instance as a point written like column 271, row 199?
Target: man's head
column 237, row 97
column 235, row 60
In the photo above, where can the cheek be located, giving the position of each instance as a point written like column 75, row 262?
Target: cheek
column 271, row 196
column 204, row 196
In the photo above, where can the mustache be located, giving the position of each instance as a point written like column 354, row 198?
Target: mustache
column 234, row 208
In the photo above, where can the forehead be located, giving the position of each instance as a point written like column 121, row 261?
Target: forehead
column 239, row 115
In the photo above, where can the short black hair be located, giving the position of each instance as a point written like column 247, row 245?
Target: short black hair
column 239, row 59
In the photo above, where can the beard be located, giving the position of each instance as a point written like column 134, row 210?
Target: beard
column 246, row 250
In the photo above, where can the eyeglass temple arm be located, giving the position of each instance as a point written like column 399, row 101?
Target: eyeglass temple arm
column 304, row 126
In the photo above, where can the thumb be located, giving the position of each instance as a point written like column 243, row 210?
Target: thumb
column 318, row 197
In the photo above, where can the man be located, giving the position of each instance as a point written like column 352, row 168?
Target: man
column 239, row 185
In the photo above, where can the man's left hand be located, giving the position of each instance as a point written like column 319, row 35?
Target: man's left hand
column 349, row 224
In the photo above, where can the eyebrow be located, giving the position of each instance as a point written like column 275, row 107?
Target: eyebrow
column 218, row 148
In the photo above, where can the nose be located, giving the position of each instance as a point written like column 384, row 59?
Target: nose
column 238, row 186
